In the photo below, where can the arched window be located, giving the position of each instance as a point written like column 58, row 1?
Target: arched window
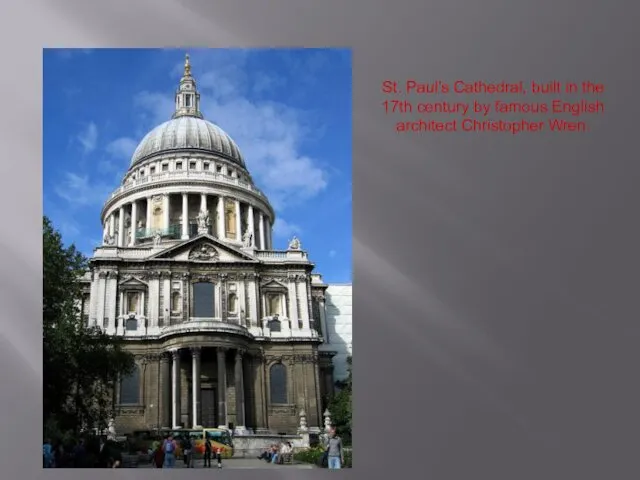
column 130, row 388
column 278, row 384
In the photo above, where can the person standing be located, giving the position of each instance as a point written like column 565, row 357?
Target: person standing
column 169, row 448
column 207, row 452
column 47, row 454
column 335, row 453
column 219, row 456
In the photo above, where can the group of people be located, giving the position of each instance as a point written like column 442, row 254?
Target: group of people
column 333, row 455
column 80, row 454
column 276, row 453
column 164, row 453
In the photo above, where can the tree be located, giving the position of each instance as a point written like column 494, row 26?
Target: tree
column 81, row 364
column 340, row 406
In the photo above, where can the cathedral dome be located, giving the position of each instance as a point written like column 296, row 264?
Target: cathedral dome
column 187, row 133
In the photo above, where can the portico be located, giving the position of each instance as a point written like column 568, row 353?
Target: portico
column 213, row 376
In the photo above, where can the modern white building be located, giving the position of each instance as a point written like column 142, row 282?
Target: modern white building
column 226, row 330
column 337, row 334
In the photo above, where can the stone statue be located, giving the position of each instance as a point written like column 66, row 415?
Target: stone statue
column 247, row 238
column 205, row 252
column 157, row 238
column 111, row 430
column 303, row 421
column 203, row 221
column 294, row 244
column 109, row 239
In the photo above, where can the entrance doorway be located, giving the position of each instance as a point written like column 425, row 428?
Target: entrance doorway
column 208, row 407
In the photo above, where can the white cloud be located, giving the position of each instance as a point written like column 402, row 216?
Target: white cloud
column 79, row 191
column 283, row 229
column 88, row 138
column 122, row 148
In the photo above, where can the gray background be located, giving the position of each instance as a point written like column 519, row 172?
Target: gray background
column 496, row 278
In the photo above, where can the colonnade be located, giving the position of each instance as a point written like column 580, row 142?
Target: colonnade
column 228, row 219
column 171, row 385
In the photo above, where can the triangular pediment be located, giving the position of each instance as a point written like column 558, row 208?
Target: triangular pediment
column 273, row 285
column 204, row 248
column 132, row 281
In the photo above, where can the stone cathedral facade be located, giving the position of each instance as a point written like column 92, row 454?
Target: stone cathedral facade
column 225, row 330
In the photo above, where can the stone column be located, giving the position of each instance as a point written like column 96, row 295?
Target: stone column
column 165, row 212
column 252, row 225
column 134, row 222
column 238, row 222
column 93, row 297
column 102, row 292
column 239, row 382
column 154, row 296
column 293, row 305
column 195, row 383
column 165, row 376
column 109, row 321
column 268, row 231
column 220, row 226
column 185, row 216
column 222, row 387
column 203, row 202
column 323, row 320
column 261, row 227
column 175, row 389
column 166, row 299
column 112, row 224
column 253, row 302
column 147, row 223
column 121, row 227
column 304, row 301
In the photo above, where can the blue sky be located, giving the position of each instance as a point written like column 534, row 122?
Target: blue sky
column 289, row 110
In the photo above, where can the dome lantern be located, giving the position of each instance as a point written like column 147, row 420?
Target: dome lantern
column 187, row 95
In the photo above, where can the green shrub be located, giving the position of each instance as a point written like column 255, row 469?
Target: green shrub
column 309, row 455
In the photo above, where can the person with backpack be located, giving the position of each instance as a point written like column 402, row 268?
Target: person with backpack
column 169, row 448
column 207, row 452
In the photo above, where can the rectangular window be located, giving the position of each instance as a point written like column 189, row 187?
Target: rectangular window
column 188, row 100
column 203, row 300
column 192, row 165
column 165, row 167
column 205, row 166
column 178, row 165
column 152, row 170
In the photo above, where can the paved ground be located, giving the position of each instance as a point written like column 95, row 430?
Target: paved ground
column 249, row 463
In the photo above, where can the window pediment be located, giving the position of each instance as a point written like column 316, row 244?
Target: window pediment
column 132, row 283
column 274, row 286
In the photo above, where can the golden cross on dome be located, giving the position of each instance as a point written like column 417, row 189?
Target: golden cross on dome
column 187, row 66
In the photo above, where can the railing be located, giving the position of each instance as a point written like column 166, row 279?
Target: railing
column 173, row 231
column 188, row 175
column 281, row 254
